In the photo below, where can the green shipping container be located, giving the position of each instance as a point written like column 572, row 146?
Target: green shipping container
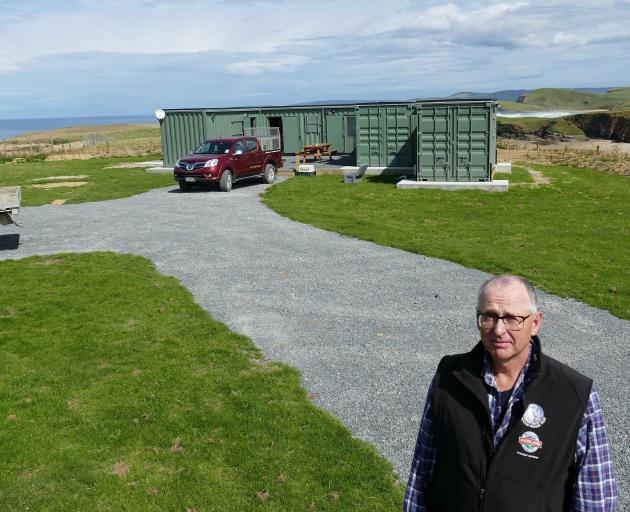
column 443, row 140
column 456, row 142
column 181, row 133
column 183, row 130
column 384, row 134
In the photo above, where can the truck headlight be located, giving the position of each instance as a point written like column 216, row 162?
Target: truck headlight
column 211, row 163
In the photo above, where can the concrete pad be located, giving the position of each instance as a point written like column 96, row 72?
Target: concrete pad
column 381, row 171
column 488, row 186
column 503, row 167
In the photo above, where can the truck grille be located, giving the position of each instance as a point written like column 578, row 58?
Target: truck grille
column 191, row 166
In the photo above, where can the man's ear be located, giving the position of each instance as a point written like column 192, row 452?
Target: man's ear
column 538, row 317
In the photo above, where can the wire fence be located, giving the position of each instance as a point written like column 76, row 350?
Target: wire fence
column 269, row 137
column 92, row 143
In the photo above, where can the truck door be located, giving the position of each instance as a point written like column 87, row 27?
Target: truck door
column 240, row 159
column 255, row 157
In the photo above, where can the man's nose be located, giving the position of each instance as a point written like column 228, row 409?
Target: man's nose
column 499, row 327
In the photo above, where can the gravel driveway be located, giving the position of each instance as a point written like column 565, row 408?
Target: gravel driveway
column 366, row 325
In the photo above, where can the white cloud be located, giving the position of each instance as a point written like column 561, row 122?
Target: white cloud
column 284, row 64
column 562, row 39
column 453, row 17
column 373, row 49
column 116, row 26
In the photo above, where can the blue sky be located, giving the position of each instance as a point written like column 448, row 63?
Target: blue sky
column 115, row 57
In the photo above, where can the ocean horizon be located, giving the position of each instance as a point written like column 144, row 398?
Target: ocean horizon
column 12, row 127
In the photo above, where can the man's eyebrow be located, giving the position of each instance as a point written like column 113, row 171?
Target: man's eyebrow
column 505, row 313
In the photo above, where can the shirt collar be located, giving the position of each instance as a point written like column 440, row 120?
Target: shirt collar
column 488, row 376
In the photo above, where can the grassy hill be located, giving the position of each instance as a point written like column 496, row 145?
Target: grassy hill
column 614, row 99
column 519, row 107
column 541, row 127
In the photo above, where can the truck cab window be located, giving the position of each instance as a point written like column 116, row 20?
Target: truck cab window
column 251, row 145
column 238, row 148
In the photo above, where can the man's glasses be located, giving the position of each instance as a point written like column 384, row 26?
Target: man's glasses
column 511, row 322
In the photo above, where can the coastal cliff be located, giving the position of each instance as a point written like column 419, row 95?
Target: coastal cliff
column 604, row 125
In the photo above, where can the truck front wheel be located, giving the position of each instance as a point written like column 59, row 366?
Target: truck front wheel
column 270, row 173
column 225, row 183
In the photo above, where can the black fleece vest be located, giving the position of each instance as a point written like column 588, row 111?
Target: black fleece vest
column 530, row 471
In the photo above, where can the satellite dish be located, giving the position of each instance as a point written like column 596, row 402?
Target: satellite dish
column 160, row 114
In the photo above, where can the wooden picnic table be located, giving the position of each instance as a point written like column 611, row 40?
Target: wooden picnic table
column 317, row 151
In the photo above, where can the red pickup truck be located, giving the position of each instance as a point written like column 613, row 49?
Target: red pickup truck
column 225, row 161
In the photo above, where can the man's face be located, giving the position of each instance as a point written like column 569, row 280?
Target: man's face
column 502, row 344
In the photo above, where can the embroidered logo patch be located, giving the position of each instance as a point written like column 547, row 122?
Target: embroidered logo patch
column 534, row 416
column 530, row 442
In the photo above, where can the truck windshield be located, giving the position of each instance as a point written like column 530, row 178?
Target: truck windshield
column 213, row 147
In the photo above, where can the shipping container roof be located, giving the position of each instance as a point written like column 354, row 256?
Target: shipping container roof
column 304, row 106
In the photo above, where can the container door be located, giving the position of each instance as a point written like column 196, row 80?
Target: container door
column 368, row 137
column 291, row 134
column 397, row 131
column 312, row 129
column 384, row 136
column 237, row 128
column 334, row 132
column 350, row 134
column 434, row 143
column 471, row 133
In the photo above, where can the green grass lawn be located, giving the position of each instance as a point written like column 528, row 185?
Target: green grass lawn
column 101, row 183
column 118, row 392
column 571, row 237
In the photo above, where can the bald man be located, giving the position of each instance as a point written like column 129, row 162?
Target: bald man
column 508, row 429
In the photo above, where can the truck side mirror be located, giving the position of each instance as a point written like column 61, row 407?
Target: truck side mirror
column 238, row 152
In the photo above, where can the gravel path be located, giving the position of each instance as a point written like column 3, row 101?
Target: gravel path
column 366, row 325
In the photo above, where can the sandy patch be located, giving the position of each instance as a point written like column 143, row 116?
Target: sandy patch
column 120, row 469
column 58, row 202
column 74, row 404
column 9, row 313
column 77, row 177
column 61, row 184
column 538, row 177
column 46, row 263
column 177, row 446
column 131, row 165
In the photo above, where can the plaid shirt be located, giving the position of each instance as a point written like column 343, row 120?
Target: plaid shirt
column 595, row 488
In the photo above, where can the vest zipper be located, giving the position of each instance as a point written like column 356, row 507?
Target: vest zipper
column 483, row 472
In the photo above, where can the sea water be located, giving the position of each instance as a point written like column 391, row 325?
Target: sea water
column 12, row 127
